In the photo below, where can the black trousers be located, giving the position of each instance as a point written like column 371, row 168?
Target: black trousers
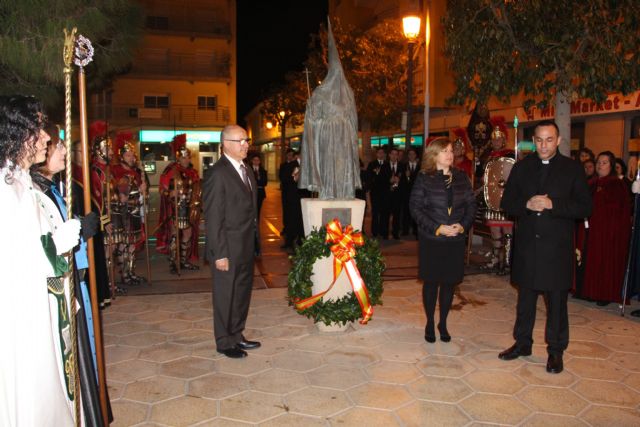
column 557, row 327
column 379, row 215
column 231, row 300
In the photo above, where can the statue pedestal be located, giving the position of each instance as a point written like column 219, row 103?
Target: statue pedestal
column 316, row 214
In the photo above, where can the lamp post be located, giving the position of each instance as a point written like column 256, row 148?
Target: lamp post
column 411, row 30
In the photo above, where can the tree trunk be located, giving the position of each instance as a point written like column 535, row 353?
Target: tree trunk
column 365, row 134
column 563, row 120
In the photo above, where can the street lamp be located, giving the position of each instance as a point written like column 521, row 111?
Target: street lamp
column 411, row 29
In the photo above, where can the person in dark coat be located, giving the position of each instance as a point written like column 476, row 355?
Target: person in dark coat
column 289, row 176
column 412, row 167
column 546, row 193
column 230, row 208
column 443, row 205
column 260, row 175
column 397, row 188
column 379, row 175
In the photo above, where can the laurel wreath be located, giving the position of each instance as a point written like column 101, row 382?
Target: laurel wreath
column 346, row 309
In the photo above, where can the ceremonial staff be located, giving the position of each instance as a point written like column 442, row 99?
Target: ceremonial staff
column 177, row 221
column 632, row 251
column 84, row 55
column 69, row 41
column 145, row 207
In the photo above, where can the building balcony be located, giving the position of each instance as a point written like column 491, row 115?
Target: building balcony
column 175, row 115
column 164, row 64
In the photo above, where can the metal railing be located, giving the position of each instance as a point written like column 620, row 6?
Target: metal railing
column 179, row 115
column 167, row 64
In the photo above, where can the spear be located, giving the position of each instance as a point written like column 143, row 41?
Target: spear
column 83, row 56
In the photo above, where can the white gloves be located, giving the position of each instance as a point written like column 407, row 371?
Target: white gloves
column 67, row 236
column 635, row 187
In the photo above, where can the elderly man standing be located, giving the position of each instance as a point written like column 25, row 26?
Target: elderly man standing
column 230, row 208
column 546, row 193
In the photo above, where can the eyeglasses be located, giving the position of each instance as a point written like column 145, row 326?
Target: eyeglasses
column 241, row 141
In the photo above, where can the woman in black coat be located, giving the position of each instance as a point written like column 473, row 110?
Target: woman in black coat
column 443, row 206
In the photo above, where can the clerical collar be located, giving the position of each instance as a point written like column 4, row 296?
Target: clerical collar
column 550, row 159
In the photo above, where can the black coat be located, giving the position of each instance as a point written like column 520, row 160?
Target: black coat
column 543, row 247
column 428, row 204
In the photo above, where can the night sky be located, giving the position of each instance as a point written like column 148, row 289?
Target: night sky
column 273, row 38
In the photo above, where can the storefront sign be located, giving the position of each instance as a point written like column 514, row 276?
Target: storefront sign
column 615, row 103
column 165, row 136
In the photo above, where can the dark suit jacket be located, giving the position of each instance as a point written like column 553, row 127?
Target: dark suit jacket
column 230, row 214
column 379, row 178
column 261, row 181
column 543, row 257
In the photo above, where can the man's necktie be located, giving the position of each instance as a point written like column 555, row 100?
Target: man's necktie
column 245, row 176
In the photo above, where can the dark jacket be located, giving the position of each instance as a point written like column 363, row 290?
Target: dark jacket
column 429, row 203
column 543, row 257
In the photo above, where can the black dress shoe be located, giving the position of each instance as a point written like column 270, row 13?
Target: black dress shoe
column 233, row 353
column 554, row 364
column 444, row 334
column 514, row 352
column 429, row 333
column 248, row 345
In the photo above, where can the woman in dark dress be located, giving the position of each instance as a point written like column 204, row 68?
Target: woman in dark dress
column 443, row 206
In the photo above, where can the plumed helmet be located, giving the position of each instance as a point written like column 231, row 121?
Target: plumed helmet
column 499, row 128
column 100, row 141
column 179, row 146
column 124, row 143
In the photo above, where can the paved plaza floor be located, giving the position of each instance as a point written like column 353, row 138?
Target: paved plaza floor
column 163, row 369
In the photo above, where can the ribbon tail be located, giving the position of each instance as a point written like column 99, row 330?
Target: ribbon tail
column 360, row 291
column 308, row 302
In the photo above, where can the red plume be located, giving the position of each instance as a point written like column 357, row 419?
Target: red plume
column 499, row 122
column 122, row 137
column 98, row 128
column 178, row 142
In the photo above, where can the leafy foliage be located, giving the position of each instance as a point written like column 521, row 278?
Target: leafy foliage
column 32, row 41
column 583, row 49
column 346, row 309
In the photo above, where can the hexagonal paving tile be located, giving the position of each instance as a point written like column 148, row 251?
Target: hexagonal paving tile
column 250, row 365
column 588, row 349
column 115, row 389
column 336, row 376
column 457, row 347
column 553, row 400
column 184, row 411
column 494, row 408
column 252, row 407
column 605, row 416
column 420, row 413
column 271, row 347
column 537, row 374
column 189, row 337
column 120, row 353
column 617, row 327
column 410, row 335
column 262, row 322
column 393, row 372
column 633, row 381
column 316, row 342
column 363, row 338
column 607, row 393
column 294, row 420
column 488, row 359
column 352, row 356
column 163, row 352
column 221, row 422
column 218, row 386
column 596, row 369
column 128, row 413
column 154, row 389
column 317, row 401
column 583, row 333
column 296, row 360
column 143, row 339
column 364, row 417
column 440, row 389
column 131, row 370
column 545, row 420
column 127, row 328
column 445, row 366
column 494, row 382
column 194, row 315
column 383, row 396
column 286, row 331
column 405, row 353
column 172, row 326
column 492, row 341
column 277, row 381
column 152, row 316
column 629, row 361
column 188, row 367
column 629, row 344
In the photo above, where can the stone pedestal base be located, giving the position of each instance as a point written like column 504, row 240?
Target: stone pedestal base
column 334, row 327
column 316, row 214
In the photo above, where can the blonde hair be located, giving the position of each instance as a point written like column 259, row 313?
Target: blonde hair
column 428, row 165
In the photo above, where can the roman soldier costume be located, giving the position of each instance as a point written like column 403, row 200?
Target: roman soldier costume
column 180, row 207
column 130, row 188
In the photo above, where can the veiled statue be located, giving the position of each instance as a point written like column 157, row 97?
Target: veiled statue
column 329, row 153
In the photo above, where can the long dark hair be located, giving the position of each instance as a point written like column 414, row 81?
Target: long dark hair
column 21, row 120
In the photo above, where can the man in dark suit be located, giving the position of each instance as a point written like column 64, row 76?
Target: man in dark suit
column 230, row 208
column 379, row 175
column 260, row 174
column 412, row 167
column 546, row 193
column 397, row 188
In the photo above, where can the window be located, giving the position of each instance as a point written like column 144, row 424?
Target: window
column 207, row 102
column 156, row 101
column 157, row 22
